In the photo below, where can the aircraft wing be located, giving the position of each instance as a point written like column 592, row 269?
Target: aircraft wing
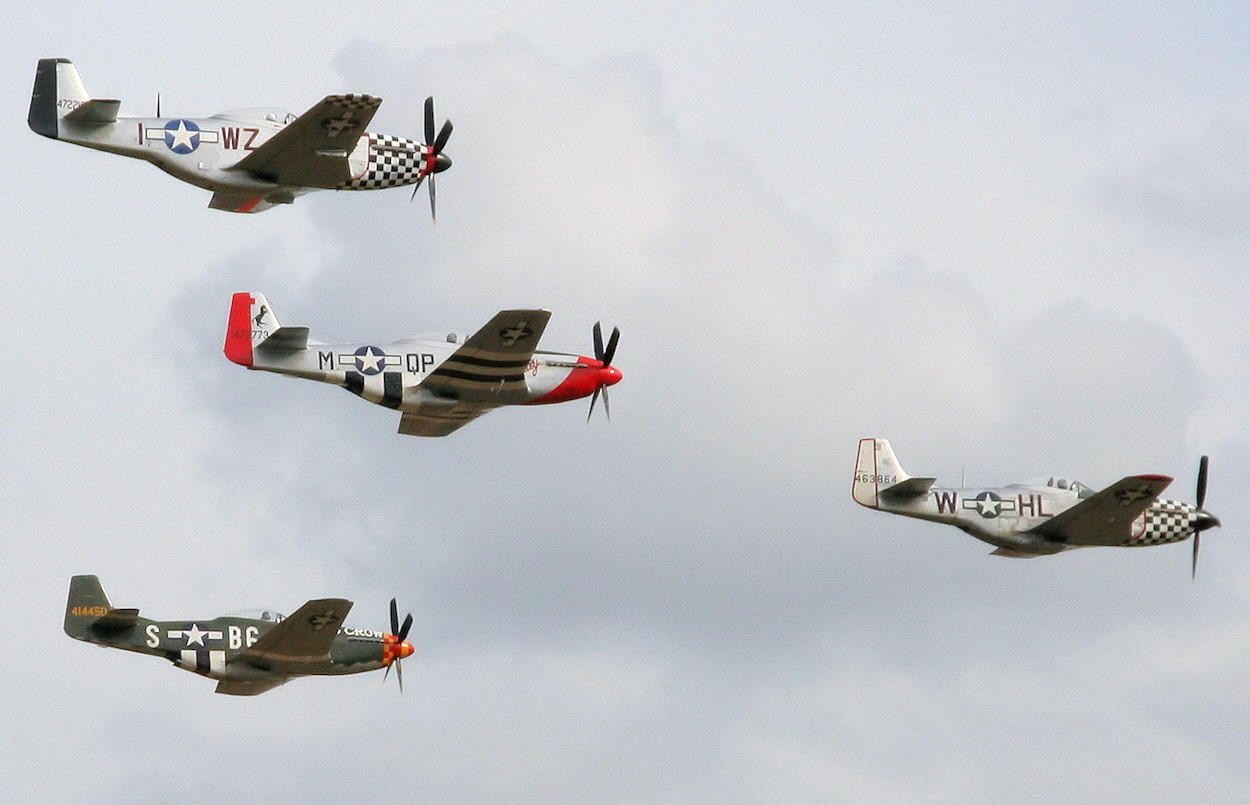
column 1106, row 517
column 303, row 638
column 312, row 150
column 490, row 366
column 439, row 421
column 238, row 201
column 250, row 687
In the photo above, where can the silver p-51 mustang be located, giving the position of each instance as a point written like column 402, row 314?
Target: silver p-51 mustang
column 1032, row 519
column 251, row 158
column 437, row 383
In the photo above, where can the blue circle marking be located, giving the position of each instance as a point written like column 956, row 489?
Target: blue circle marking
column 182, row 136
column 370, row 360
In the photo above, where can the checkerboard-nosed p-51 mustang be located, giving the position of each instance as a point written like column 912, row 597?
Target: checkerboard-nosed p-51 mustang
column 1033, row 519
column 437, row 383
column 251, row 159
column 246, row 652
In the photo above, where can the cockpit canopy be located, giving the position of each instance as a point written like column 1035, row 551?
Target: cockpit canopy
column 266, row 615
column 265, row 115
column 1081, row 490
column 449, row 338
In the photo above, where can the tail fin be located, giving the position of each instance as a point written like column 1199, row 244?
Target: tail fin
column 878, row 475
column 254, row 325
column 89, row 615
column 251, row 321
column 876, row 469
column 87, row 603
column 58, row 91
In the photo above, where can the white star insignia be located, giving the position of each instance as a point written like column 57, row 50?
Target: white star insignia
column 371, row 360
column 182, row 135
column 195, row 635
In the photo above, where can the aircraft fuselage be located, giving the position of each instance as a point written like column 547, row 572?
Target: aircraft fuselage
column 203, row 151
column 1005, row 516
column 390, row 374
column 213, row 647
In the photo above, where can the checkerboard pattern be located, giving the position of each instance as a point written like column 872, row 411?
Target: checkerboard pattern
column 1167, row 521
column 354, row 101
column 393, row 162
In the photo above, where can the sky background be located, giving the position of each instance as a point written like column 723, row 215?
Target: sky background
column 1011, row 238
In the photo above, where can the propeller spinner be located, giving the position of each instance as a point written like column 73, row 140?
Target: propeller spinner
column 434, row 160
column 608, row 374
column 395, row 646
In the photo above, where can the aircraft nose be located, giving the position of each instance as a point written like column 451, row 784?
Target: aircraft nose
column 406, row 649
column 610, row 376
column 441, row 163
column 1205, row 520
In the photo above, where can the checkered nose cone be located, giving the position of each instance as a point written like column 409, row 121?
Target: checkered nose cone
column 393, row 162
column 1168, row 521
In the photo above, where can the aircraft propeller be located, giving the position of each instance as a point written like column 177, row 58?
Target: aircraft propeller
column 1201, row 525
column 394, row 647
column 435, row 161
column 607, row 378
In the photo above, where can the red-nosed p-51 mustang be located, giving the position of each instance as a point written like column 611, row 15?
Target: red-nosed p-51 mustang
column 250, row 158
column 1032, row 519
column 437, row 383
column 247, row 653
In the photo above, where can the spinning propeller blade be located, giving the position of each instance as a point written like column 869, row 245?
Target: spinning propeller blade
column 604, row 356
column 434, row 161
column 395, row 652
column 1202, row 497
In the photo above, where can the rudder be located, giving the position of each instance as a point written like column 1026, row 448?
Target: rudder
column 251, row 322
column 876, row 468
column 58, row 91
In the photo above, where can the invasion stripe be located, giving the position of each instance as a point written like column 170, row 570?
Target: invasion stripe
column 355, row 383
column 392, row 389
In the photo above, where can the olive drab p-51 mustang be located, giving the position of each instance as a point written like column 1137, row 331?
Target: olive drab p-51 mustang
column 247, row 653
column 1032, row 519
column 251, row 158
column 437, row 383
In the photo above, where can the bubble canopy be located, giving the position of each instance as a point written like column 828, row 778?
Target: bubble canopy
column 266, row 615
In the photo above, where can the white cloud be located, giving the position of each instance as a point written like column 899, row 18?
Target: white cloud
column 684, row 605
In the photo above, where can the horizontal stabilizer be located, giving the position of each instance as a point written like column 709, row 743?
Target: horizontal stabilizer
column 116, row 620
column 910, row 488
column 286, row 339
column 95, row 111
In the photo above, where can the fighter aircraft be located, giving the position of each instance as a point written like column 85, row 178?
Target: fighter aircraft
column 437, row 383
column 250, row 158
column 1032, row 519
column 246, row 652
